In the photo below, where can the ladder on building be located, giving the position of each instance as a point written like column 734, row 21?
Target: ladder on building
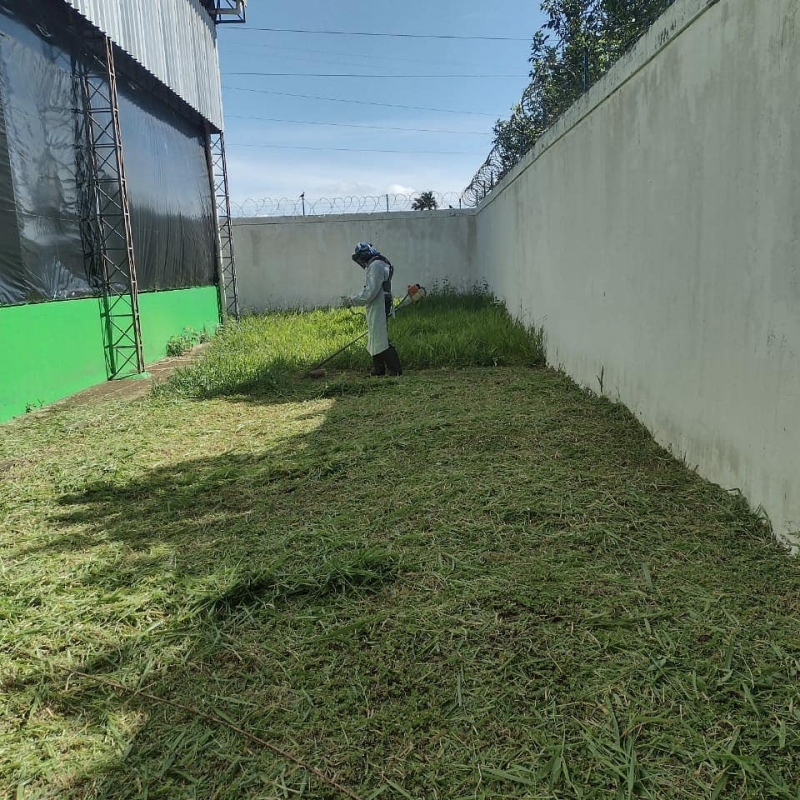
column 105, row 214
column 226, row 261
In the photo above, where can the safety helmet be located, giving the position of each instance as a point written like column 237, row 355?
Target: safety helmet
column 363, row 254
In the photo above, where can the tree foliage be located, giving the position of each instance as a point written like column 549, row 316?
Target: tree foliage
column 425, row 202
column 578, row 44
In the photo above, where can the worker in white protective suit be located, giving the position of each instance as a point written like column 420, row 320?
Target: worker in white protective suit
column 376, row 297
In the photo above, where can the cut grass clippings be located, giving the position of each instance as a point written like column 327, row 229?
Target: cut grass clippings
column 466, row 583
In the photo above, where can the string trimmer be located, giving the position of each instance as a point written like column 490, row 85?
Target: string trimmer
column 414, row 294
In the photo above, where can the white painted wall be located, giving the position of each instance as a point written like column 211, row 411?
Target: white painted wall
column 654, row 232
column 305, row 261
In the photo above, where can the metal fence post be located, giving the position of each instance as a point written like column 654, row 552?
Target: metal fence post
column 585, row 69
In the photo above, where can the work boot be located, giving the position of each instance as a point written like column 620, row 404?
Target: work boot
column 392, row 361
column 378, row 366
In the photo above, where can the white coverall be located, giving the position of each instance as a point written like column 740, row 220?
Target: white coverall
column 372, row 298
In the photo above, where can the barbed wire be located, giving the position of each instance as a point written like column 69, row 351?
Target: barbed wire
column 348, row 204
column 556, row 83
column 533, row 118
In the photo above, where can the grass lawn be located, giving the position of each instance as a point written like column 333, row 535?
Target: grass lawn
column 469, row 582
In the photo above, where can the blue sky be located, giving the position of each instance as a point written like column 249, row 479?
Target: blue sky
column 267, row 158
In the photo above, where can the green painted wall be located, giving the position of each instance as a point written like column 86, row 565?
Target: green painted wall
column 165, row 314
column 52, row 350
column 48, row 351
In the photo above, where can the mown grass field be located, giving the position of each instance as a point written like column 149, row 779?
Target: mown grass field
column 469, row 582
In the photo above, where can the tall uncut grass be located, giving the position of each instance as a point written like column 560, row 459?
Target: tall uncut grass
column 267, row 352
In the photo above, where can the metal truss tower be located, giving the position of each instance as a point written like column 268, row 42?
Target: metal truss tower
column 226, row 11
column 226, row 261
column 106, row 218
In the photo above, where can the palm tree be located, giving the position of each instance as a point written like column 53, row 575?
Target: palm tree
column 425, row 202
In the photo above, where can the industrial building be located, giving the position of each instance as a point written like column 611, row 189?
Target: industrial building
column 114, row 206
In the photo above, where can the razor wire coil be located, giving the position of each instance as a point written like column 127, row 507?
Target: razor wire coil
column 556, row 84
column 348, row 204
column 533, row 105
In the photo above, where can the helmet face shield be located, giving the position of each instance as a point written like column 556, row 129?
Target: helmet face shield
column 363, row 253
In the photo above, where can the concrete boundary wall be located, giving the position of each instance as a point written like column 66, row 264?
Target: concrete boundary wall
column 301, row 262
column 654, row 232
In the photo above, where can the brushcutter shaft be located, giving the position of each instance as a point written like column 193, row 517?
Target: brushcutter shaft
column 414, row 294
column 340, row 350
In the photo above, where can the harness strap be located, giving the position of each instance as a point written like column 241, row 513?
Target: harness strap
column 387, row 284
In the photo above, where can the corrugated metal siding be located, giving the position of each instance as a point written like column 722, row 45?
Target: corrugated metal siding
column 175, row 40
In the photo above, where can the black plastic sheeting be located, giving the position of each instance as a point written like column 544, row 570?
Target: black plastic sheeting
column 41, row 252
column 174, row 237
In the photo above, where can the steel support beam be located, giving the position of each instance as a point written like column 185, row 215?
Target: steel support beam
column 105, row 208
column 226, row 260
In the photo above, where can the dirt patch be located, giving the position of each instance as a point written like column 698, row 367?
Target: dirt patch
column 137, row 386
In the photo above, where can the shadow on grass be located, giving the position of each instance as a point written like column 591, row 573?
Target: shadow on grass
column 482, row 588
column 199, row 549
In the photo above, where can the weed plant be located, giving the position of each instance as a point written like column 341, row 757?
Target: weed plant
column 178, row 345
column 267, row 353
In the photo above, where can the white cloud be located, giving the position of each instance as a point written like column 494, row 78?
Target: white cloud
column 398, row 188
column 257, row 174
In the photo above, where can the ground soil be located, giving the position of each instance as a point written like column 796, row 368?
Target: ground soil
column 138, row 386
